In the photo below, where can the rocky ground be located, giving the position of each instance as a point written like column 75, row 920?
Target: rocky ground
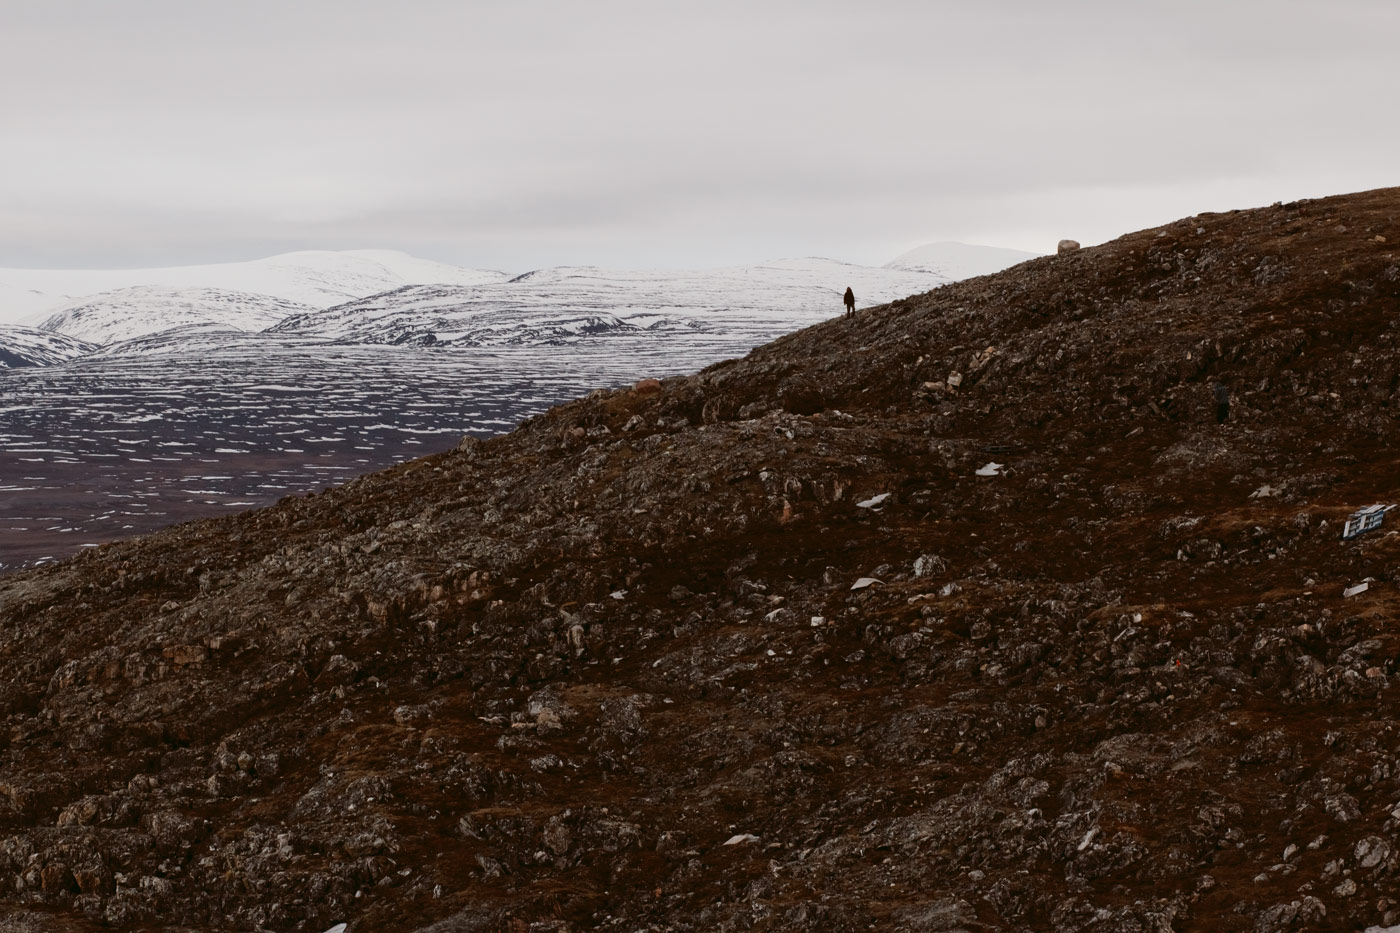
column 622, row 668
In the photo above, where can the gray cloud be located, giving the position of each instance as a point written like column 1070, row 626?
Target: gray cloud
column 524, row 134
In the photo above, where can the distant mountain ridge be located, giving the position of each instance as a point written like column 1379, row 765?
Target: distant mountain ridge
column 128, row 313
column 388, row 297
column 25, row 346
column 565, row 303
column 318, row 278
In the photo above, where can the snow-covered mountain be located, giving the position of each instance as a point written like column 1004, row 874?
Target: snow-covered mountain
column 24, row 346
column 186, row 339
column 134, row 312
column 386, row 297
column 319, row 278
column 429, row 315
column 569, row 303
column 954, row 261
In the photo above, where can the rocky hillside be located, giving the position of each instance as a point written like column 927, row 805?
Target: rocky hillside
column 773, row 647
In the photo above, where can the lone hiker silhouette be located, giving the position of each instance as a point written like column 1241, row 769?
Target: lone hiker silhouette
column 1222, row 402
column 850, row 302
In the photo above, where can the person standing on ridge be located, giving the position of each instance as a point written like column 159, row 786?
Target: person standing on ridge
column 1222, row 402
column 850, row 302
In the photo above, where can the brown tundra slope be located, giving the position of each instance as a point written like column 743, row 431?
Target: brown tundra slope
column 615, row 670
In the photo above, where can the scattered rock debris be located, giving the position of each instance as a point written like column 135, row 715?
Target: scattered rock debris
column 1108, row 692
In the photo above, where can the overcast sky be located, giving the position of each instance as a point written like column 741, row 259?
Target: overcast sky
column 521, row 134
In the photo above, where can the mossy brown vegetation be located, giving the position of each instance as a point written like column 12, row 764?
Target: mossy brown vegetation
column 538, row 683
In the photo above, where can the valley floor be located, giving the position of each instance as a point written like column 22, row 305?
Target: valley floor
column 106, row 448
